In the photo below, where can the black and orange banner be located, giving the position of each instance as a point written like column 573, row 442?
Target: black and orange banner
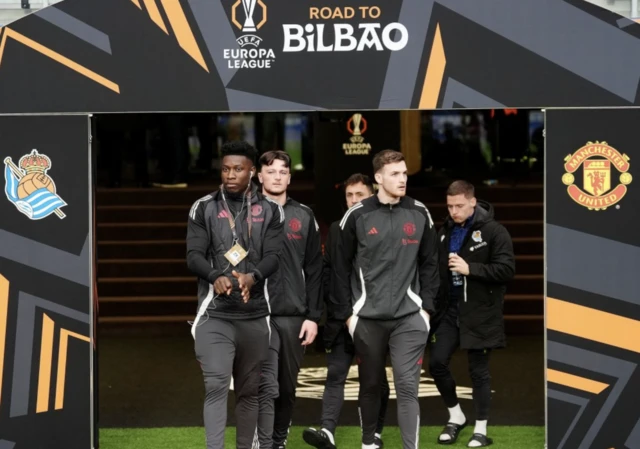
column 279, row 55
column 45, row 283
column 592, row 305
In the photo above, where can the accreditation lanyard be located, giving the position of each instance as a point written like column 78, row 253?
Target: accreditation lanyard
column 232, row 221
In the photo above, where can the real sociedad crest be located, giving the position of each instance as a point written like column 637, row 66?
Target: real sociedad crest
column 30, row 188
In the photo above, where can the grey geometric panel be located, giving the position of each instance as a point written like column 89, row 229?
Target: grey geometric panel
column 74, row 268
column 4, row 444
column 569, row 256
column 244, row 101
column 76, row 27
column 456, row 92
column 404, row 66
column 24, row 346
column 598, row 363
column 217, row 33
column 541, row 27
column 634, row 436
column 582, row 402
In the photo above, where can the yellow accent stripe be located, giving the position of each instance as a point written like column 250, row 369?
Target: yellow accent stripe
column 62, row 364
column 4, row 312
column 435, row 73
column 154, row 13
column 182, row 30
column 137, row 3
column 56, row 57
column 592, row 324
column 577, row 382
column 46, row 354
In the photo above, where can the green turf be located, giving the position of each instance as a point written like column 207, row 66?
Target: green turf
column 506, row 437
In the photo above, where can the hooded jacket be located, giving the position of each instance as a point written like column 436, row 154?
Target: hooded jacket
column 209, row 237
column 488, row 249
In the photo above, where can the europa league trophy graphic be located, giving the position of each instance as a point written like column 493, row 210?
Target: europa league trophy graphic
column 249, row 7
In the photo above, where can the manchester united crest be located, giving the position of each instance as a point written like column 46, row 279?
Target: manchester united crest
column 596, row 161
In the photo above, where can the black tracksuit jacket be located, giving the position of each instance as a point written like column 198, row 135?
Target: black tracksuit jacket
column 295, row 289
column 488, row 249
column 386, row 263
column 333, row 326
column 209, row 237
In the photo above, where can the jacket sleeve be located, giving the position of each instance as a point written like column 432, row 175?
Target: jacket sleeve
column 428, row 265
column 313, row 271
column 272, row 245
column 502, row 265
column 343, row 266
column 198, row 245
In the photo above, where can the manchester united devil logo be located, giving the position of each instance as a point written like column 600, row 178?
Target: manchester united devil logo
column 596, row 160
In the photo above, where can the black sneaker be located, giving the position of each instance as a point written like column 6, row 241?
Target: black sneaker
column 378, row 442
column 317, row 439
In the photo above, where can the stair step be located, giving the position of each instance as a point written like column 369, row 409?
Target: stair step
column 305, row 193
column 141, row 231
column 179, row 213
column 124, row 268
column 176, row 249
column 528, row 246
column 526, row 284
column 141, row 286
column 530, row 264
column 178, row 230
column 142, row 249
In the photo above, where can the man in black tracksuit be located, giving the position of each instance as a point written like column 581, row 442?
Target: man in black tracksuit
column 337, row 341
column 234, row 238
column 476, row 261
column 296, row 309
column 386, row 280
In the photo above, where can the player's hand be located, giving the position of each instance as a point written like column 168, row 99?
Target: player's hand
column 457, row 263
column 308, row 331
column 222, row 285
column 348, row 321
column 245, row 281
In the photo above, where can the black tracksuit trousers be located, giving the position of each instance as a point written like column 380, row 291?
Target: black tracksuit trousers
column 405, row 339
column 338, row 364
column 225, row 348
column 279, row 380
column 443, row 342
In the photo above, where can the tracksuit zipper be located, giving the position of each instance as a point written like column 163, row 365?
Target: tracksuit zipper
column 392, row 247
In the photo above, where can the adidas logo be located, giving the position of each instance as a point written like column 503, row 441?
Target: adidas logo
column 223, row 214
column 372, row 231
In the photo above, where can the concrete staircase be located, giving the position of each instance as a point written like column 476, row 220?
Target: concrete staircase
column 143, row 278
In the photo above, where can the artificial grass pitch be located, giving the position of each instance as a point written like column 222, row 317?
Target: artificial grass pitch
column 504, row 437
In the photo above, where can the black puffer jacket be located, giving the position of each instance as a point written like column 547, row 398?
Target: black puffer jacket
column 488, row 250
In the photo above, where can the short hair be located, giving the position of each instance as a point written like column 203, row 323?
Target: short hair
column 239, row 148
column 357, row 178
column 461, row 188
column 270, row 156
column 386, row 157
